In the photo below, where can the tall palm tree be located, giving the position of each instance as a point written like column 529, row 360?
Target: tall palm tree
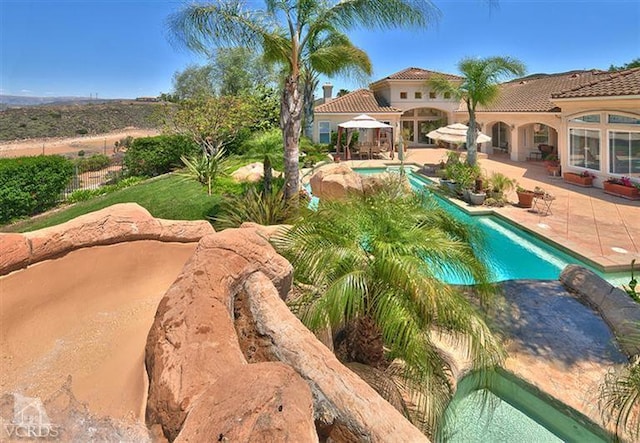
column 285, row 30
column 479, row 86
column 370, row 268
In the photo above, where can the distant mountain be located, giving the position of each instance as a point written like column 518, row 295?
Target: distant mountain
column 77, row 117
column 19, row 100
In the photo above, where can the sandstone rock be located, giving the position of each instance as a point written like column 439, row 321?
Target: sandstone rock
column 262, row 402
column 252, row 172
column 345, row 407
column 115, row 224
column 265, row 231
column 192, row 342
column 335, row 181
column 184, row 231
column 621, row 313
column 15, row 252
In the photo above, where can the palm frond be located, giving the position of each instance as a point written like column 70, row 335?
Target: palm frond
column 379, row 14
column 380, row 256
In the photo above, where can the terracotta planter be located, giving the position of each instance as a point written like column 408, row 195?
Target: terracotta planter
column 577, row 179
column 525, row 198
column 553, row 170
column 629, row 192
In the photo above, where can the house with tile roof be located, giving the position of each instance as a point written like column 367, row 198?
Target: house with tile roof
column 589, row 119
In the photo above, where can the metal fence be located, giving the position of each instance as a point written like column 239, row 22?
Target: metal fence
column 95, row 179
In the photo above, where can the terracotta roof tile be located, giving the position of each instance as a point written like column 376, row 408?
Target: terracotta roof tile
column 618, row 83
column 535, row 93
column 418, row 74
column 361, row 101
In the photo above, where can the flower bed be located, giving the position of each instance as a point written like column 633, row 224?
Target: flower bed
column 622, row 187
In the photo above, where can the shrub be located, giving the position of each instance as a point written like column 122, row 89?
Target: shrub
column 93, row 163
column 29, row 185
column 151, row 156
column 257, row 206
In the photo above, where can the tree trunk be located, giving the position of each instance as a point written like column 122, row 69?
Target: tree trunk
column 268, row 174
column 291, row 122
column 361, row 342
column 307, row 117
column 472, row 150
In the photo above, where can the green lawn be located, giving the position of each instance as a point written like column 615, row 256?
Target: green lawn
column 171, row 197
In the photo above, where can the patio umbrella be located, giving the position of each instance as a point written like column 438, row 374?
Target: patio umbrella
column 363, row 121
column 456, row 133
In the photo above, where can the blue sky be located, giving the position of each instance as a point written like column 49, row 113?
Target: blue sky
column 119, row 48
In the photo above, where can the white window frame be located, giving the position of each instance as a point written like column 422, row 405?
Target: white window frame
column 600, row 146
column 321, row 132
column 612, row 155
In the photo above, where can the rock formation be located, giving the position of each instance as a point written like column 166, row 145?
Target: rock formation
column 252, row 172
column 116, row 224
column 223, row 318
column 335, row 181
column 621, row 313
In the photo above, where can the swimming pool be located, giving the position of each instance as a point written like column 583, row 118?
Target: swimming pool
column 512, row 252
column 506, row 408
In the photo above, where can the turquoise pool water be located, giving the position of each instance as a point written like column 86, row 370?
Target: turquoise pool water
column 509, row 410
column 512, row 253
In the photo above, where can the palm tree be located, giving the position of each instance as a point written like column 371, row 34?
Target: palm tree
column 285, row 31
column 369, row 268
column 479, row 86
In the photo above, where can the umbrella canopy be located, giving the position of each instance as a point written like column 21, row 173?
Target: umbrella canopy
column 364, row 121
column 456, row 133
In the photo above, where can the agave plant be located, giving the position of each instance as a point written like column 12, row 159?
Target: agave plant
column 370, row 271
column 258, row 206
column 205, row 168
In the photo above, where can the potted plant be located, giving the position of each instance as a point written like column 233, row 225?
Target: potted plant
column 525, row 197
column 477, row 197
column 553, row 165
column 584, row 179
column 622, row 187
column 499, row 185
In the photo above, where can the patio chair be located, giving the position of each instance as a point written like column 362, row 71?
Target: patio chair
column 364, row 150
column 542, row 203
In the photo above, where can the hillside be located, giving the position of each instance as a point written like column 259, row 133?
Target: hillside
column 77, row 119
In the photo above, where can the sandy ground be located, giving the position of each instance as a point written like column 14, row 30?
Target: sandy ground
column 91, row 144
column 86, row 314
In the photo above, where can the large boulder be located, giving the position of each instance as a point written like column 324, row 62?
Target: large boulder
column 621, row 313
column 263, row 402
column 192, row 342
column 219, row 323
column 115, row 224
column 335, row 181
column 252, row 172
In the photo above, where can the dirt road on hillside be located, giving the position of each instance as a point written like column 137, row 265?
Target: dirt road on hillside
column 91, row 144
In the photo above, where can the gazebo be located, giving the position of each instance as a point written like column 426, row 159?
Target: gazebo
column 362, row 121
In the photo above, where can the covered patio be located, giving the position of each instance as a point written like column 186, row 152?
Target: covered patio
column 374, row 139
